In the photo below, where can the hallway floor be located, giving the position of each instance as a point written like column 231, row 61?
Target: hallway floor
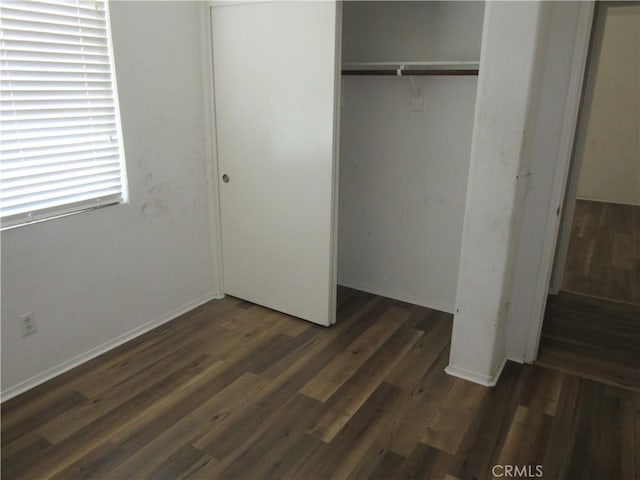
column 604, row 252
column 592, row 338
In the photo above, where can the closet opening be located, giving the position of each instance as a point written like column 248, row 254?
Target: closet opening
column 409, row 79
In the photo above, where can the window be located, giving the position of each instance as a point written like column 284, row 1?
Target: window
column 60, row 137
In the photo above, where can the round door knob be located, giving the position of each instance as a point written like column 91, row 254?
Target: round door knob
column 225, row 178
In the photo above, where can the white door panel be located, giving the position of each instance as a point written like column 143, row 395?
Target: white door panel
column 275, row 99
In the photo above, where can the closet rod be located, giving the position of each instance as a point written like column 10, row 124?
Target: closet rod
column 416, row 72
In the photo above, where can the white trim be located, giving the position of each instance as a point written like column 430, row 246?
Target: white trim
column 211, row 149
column 403, row 297
column 600, row 200
column 100, row 349
column 486, row 380
column 337, row 102
column 573, row 176
column 570, row 120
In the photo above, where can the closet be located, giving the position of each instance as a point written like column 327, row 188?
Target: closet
column 343, row 135
column 408, row 96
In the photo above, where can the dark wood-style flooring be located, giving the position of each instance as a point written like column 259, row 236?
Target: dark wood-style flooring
column 592, row 328
column 604, row 252
column 236, row 391
column 592, row 338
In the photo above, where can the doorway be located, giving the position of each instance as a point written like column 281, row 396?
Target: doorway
column 592, row 321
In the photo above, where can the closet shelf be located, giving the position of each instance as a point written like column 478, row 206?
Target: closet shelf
column 404, row 69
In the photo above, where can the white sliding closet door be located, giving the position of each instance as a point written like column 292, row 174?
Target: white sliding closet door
column 276, row 74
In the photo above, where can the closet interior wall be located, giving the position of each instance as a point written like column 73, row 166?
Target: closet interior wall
column 404, row 160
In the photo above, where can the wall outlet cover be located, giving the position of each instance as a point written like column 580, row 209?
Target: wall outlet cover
column 28, row 324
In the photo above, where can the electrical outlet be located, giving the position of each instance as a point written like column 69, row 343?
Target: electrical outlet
column 28, row 324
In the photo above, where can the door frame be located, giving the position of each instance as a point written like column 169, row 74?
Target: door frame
column 558, row 192
column 211, row 148
column 568, row 211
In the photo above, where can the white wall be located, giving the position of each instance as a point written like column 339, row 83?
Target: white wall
column 610, row 164
column 402, row 186
column 393, row 31
column 402, row 172
column 496, row 182
column 96, row 278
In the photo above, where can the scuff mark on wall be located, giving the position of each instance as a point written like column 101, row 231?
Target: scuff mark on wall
column 157, row 205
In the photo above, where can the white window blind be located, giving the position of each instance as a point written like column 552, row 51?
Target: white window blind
column 60, row 137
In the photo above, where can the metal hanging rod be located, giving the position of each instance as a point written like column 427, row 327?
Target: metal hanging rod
column 417, row 72
column 415, row 68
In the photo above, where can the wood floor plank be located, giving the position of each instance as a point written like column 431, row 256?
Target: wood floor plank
column 264, row 451
column 592, row 338
column 296, row 451
column 420, row 404
column 306, row 344
column 580, row 362
column 181, row 464
column 485, row 436
column 292, row 326
column 563, row 430
column 41, row 414
column 345, row 364
column 145, row 358
column 161, row 342
column 586, row 460
column 338, row 458
column 526, row 438
column 346, row 401
column 603, row 251
column 157, row 416
column 425, row 462
column 244, row 359
column 253, row 320
column 207, row 416
column 449, row 424
column 277, row 352
column 378, row 463
column 419, row 359
column 213, row 398
column 636, row 450
column 81, row 442
column 19, row 454
column 220, row 443
column 622, row 255
column 71, row 421
column 42, row 394
column 543, row 392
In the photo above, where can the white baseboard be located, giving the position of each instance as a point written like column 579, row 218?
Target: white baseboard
column 518, row 357
column 100, row 349
column 486, row 380
column 403, row 297
column 601, row 200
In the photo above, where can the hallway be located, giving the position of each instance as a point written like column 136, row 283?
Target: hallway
column 604, row 252
column 592, row 328
column 592, row 338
